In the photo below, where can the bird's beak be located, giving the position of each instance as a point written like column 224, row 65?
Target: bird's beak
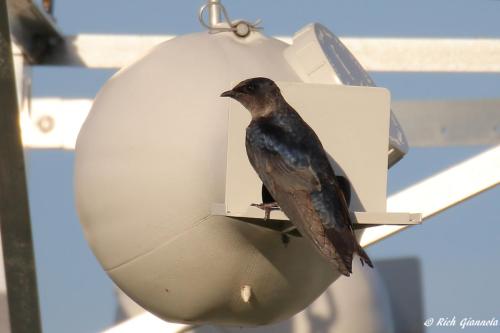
column 229, row 93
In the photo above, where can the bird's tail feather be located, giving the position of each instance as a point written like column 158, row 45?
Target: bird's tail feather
column 364, row 257
column 343, row 241
column 346, row 245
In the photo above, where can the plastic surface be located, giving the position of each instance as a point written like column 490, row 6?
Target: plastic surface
column 151, row 163
column 318, row 56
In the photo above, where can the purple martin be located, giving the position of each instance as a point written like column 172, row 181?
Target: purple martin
column 293, row 165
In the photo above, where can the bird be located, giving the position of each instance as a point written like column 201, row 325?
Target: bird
column 294, row 167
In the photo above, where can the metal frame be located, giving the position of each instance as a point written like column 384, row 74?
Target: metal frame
column 375, row 54
column 442, row 191
column 45, row 126
column 449, row 123
column 147, row 322
column 33, row 29
column 17, row 244
column 55, row 122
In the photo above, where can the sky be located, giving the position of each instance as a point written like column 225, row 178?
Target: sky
column 458, row 249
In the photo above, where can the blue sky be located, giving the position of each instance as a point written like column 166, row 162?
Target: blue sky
column 458, row 249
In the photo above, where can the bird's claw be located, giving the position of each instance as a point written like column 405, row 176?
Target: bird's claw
column 285, row 239
column 267, row 208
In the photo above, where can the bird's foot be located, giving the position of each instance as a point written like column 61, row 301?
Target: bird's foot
column 285, row 239
column 267, row 208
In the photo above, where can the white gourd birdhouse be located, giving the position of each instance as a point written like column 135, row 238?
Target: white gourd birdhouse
column 164, row 189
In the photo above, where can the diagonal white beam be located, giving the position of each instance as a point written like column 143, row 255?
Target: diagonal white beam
column 441, row 191
column 375, row 54
column 147, row 322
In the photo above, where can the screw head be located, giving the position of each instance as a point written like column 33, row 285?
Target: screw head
column 242, row 29
column 45, row 123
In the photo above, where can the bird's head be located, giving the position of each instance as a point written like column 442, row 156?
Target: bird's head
column 259, row 95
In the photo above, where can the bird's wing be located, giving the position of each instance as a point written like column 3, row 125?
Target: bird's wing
column 290, row 177
column 300, row 209
column 345, row 187
column 292, row 181
column 279, row 163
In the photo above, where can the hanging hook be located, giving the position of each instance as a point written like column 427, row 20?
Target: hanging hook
column 239, row 28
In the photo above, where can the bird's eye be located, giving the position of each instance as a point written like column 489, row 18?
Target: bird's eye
column 251, row 87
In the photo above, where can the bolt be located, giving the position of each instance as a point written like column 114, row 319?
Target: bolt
column 45, row 123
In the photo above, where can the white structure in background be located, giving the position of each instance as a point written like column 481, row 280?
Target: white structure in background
column 173, row 93
column 47, row 127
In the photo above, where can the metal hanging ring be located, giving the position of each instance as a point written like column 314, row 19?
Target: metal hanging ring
column 240, row 28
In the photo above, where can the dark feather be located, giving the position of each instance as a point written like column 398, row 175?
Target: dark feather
column 266, row 196
column 314, row 201
column 291, row 162
column 345, row 186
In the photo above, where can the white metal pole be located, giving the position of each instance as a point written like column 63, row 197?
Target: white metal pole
column 214, row 12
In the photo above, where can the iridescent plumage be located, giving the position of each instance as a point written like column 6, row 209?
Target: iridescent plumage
column 291, row 162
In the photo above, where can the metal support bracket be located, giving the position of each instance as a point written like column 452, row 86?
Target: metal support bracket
column 33, row 29
column 361, row 220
